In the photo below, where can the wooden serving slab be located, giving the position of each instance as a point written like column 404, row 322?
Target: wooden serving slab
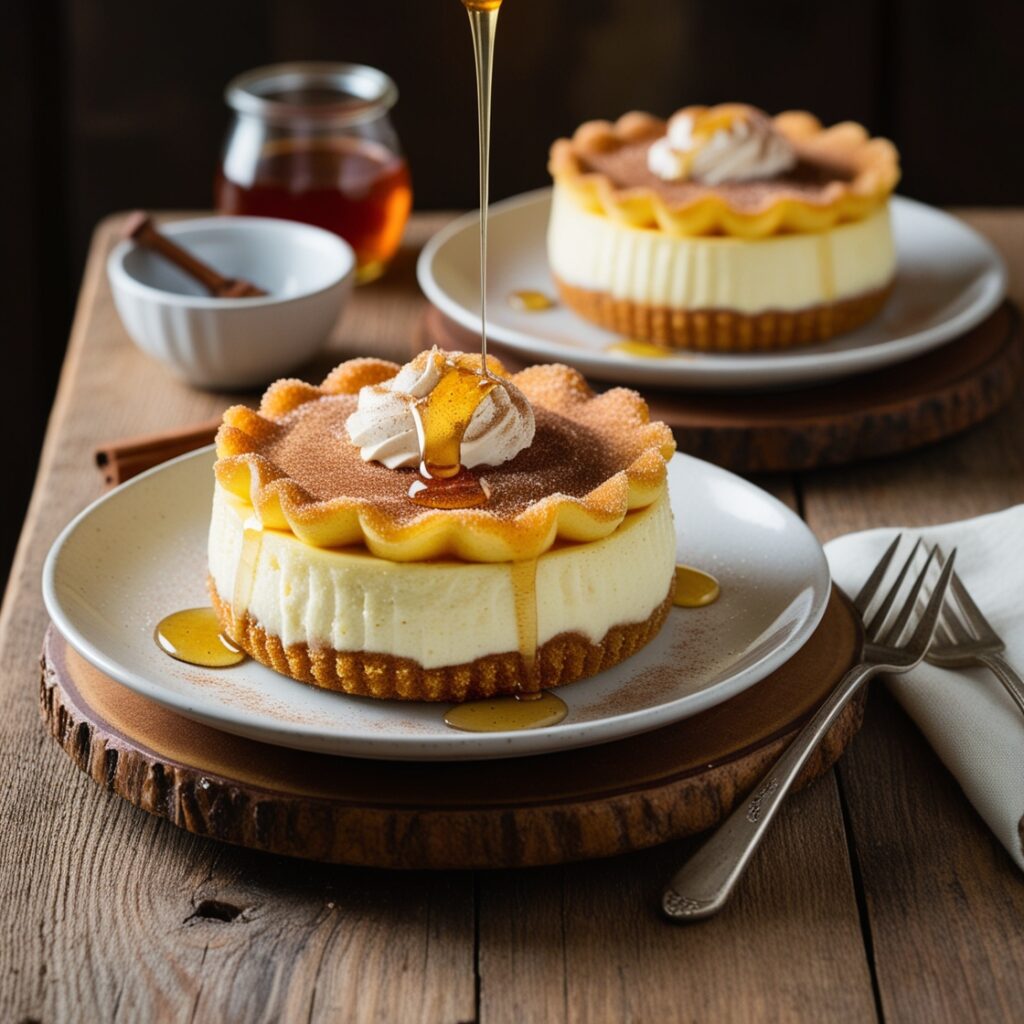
column 891, row 410
column 548, row 809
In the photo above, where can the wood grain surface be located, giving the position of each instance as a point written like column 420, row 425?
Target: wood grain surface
column 877, row 894
column 575, row 805
column 893, row 410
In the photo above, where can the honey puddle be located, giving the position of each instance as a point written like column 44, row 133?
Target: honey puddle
column 643, row 349
column 507, row 714
column 694, row 588
column 527, row 301
column 194, row 637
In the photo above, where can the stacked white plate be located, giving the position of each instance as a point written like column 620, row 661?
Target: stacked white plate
column 139, row 553
column 948, row 280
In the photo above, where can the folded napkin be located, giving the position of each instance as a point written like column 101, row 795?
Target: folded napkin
column 965, row 714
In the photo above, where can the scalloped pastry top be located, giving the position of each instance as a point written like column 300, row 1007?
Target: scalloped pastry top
column 593, row 458
column 836, row 174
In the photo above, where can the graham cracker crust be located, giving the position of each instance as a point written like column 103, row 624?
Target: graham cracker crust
column 722, row 330
column 563, row 659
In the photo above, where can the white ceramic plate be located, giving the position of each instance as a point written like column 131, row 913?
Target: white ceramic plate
column 139, row 554
column 949, row 279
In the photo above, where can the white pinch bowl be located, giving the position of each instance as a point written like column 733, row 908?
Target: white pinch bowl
column 234, row 343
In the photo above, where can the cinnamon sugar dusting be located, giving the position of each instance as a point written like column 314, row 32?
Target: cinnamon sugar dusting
column 593, row 458
column 626, row 167
column 311, row 448
column 841, row 174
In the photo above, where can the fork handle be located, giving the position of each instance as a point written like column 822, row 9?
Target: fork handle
column 703, row 884
column 1007, row 675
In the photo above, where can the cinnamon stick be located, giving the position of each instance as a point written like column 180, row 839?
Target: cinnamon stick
column 140, row 228
column 121, row 460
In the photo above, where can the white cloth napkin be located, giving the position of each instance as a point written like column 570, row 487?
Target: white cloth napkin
column 965, row 714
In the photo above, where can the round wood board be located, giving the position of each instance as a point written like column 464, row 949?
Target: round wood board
column 892, row 410
column 553, row 808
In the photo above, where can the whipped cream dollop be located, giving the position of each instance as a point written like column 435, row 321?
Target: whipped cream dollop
column 721, row 144
column 386, row 429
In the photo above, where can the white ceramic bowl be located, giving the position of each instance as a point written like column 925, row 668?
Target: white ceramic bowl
column 234, row 343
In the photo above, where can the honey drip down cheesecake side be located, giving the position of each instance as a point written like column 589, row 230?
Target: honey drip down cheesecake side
column 447, row 626
column 723, row 229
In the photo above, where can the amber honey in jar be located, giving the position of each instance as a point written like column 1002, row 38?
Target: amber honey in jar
column 314, row 142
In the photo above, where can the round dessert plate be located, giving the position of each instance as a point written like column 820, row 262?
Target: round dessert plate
column 139, row 553
column 949, row 278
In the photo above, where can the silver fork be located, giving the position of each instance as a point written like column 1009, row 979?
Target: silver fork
column 965, row 637
column 701, row 886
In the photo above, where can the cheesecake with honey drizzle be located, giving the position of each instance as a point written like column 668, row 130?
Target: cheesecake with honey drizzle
column 723, row 229
column 435, row 532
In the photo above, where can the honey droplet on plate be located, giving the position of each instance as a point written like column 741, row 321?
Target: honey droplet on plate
column 507, row 714
column 642, row 349
column 527, row 301
column 694, row 588
column 194, row 636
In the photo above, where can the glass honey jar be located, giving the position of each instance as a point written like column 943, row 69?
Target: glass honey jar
column 314, row 142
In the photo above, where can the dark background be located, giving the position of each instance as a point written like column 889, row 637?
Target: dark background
column 112, row 104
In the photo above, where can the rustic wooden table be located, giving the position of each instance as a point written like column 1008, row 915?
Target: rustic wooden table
column 879, row 893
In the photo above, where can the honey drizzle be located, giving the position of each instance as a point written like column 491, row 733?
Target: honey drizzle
column 524, row 595
column 443, row 416
column 528, row 301
column 826, row 267
column 483, row 22
column 194, row 637
column 694, row 588
column 245, row 571
column 530, row 709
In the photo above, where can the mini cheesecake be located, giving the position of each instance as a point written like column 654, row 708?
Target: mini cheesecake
column 759, row 233
column 322, row 567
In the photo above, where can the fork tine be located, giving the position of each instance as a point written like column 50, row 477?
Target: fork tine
column 867, row 592
column 953, row 624
column 952, row 627
column 878, row 619
column 971, row 611
column 942, row 633
column 896, row 629
column 922, row 635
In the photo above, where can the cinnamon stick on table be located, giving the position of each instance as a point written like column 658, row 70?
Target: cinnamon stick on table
column 121, row 460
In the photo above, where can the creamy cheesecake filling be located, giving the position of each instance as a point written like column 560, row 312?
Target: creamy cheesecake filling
column 781, row 272
column 437, row 613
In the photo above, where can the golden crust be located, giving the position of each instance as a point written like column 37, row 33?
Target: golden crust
column 563, row 659
column 873, row 164
column 723, row 330
column 478, row 535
